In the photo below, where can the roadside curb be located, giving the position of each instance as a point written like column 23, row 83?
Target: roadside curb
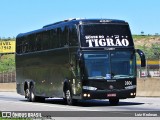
column 7, row 87
column 148, row 87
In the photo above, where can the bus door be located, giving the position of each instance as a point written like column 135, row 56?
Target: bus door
column 76, row 81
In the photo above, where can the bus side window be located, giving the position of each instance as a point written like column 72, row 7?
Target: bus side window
column 59, row 38
column 63, row 33
column 54, row 39
column 24, row 45
column 38, row 42
column 45, row 40
column 65, row 36
column 32, row 41
column 18, row 45
column 18, row 49
column 73, row 37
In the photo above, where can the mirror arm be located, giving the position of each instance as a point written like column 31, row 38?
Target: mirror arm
column 142, row 56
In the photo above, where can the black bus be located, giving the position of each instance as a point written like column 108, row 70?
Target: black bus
column 78, row 59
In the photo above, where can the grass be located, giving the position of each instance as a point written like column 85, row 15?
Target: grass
column 140, row 37
column 7, row 62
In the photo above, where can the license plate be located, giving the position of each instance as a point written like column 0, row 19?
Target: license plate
column 111, row 95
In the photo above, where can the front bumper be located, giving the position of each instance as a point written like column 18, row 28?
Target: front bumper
column 108, row 94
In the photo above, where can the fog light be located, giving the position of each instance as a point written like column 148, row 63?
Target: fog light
column 134, row 93
column 85, row 95
column 131, row 94
column 89, row 95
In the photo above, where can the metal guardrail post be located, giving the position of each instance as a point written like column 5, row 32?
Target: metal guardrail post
column 3, row 77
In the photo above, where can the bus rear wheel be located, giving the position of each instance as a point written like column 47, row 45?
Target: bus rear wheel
column 31, row 97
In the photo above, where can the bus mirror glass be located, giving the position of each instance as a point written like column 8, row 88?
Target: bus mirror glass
column 142, row 56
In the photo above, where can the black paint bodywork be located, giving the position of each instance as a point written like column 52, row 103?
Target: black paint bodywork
column 51, row 70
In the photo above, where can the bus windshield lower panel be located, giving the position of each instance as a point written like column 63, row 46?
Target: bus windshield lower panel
column 110, row 64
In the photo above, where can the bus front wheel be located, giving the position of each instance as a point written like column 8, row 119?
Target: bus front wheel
column 69, row 99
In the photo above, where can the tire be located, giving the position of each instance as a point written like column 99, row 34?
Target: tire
column 31, row 97
column 27, row 92
column 68, row 98
column 114, row 102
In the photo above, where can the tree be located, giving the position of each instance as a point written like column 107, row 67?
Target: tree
column 142, row 32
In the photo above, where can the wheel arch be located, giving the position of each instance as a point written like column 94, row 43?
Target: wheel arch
column 28, row 84
column 66, row 85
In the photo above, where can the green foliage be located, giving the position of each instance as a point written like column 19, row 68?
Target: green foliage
column 137, row 37
column 7, row 63
column 152, row 53
column 149, row 45
column 147, row 37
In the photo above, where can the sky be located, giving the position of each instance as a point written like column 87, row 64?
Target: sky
column 20, row 16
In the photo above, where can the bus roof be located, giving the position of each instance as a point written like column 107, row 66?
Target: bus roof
column 72, row 21
column 83, row 21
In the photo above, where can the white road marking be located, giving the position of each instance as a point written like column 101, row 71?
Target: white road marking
column 66, row 107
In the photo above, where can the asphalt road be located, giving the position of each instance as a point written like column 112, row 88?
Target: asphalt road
column 135, row 107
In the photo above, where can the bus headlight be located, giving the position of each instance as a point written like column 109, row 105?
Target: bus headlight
column 89, row 88
column 133, row 94
column 86, row 95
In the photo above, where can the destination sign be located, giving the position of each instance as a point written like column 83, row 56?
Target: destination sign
column 7, row 46
column 102, row 41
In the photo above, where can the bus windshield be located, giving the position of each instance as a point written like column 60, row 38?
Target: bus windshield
column 110, row 64
column 105, row 35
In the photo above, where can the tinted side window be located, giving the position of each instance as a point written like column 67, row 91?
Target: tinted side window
column 62, row 36
column 54, row 38
column 73, row 37
column 65, row 36
column 38, row 40
column 31, row 43
column 18, row 45
column 46, row 40
column 59, row 32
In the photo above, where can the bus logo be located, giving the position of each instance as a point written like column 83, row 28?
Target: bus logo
column 6, row 114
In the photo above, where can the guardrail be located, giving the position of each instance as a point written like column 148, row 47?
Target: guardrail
column 10, row 77
column 7, row 77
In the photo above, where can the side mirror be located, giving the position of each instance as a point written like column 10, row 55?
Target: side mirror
column 142, row 56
